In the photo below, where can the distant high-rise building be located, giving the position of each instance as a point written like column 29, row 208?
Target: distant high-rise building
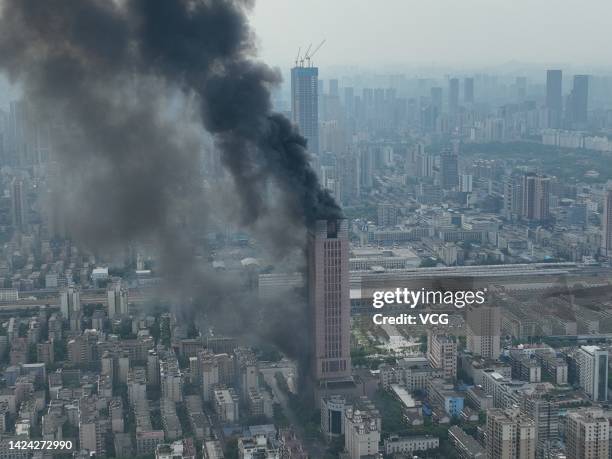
column 19, row 209
column 536, row 197
column 521, row 88
column 510, row 435
column 305, row 104
column 387, row 215
column 333, row 88
column 587, row 434
column 152, row 368
column 592, row 365
column 449, row 170
column 432, row 112
column 436, row 98
column 348, row 165
column 554, row 85
column 468, row 90
column 453, row 94
column 423, row 162
column 442, row 353
column 171, row 380
column 349, row 105
column 70, row 302
column 554, row 97
column 366, row 167
column 513, row 198
column 330, row 107
column 484, row 330
column 117, row 296
column 328, row 287
column 606, row 225
column 545, row 414
column 579, row 100
column 466, row 183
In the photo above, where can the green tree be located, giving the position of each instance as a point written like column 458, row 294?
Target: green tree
column 428, row 262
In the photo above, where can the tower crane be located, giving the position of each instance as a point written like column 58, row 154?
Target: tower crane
column 308, row 56
column 297, row 58
column 305, row 55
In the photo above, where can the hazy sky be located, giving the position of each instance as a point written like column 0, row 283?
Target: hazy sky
column 440, row 32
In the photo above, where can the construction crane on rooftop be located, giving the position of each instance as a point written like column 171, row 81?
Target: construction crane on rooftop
column 297, row 58
column 305, row 54
column 308, row 56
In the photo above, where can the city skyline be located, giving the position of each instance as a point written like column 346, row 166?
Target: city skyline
column 408, row 258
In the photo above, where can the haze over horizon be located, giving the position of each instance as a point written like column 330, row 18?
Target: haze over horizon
column 474, row 34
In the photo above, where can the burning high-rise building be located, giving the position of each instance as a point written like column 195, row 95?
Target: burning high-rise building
column 328, row 285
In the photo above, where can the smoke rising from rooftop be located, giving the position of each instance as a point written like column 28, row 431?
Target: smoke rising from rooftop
column 103, row 72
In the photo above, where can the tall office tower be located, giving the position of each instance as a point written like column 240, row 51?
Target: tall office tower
column 468, row 90
column 606, row 225
column 246, row 371
column 209, row 374
column 554, row 98
column 513, row 198
column 348, row 164
column 579, row 100
column 152, row 368
column 333, row 88
column 587, row 434
column 592, row 364
column 366, row 167
column 328, row 295
column 453, row 95
column 521, row 88
column 545, row 414
column 466, row 183
column 92, row 429
column 536, row 198
column 484, row 330
column 19, row 209
column 171, row 380
column 117, row 295
column 70, row 302
column 425, row 163
column 510, row 435
column 449, row 170
column 442, row 353
column 432, row 112
column 15, row 133
column 349, row 106
column 367, row 104
column 436, row 99
column 305, row 104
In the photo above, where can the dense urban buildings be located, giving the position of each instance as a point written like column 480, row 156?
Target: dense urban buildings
column 269, row 301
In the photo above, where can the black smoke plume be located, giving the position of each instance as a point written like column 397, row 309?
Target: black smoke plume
column 103, row 72
column 100, row 66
